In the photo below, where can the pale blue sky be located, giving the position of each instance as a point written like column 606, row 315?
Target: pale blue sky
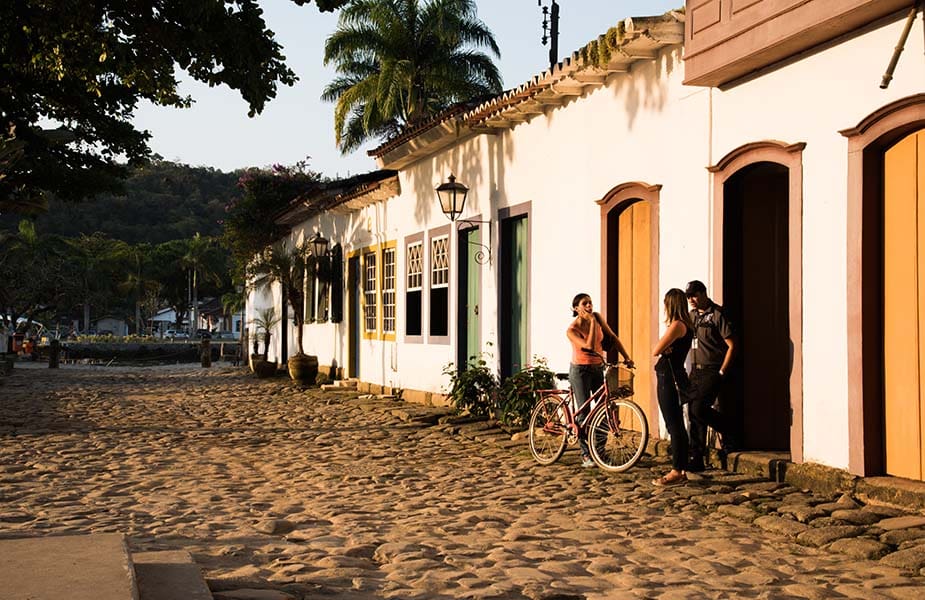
column 216, row 131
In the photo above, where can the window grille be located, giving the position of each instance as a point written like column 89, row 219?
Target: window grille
column 388, row 290
column 370, row 291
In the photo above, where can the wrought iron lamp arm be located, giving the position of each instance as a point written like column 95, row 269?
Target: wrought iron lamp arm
column 483, row 255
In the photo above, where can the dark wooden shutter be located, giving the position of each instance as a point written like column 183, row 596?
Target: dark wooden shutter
column 337, row 284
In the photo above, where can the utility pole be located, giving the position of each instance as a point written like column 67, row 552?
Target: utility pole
column 551, row 30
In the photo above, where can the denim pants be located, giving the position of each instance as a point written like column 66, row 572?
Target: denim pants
column 670, row 405
column 584, row 381
column 706, row 385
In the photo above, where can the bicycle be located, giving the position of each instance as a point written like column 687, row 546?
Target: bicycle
column 615, row 426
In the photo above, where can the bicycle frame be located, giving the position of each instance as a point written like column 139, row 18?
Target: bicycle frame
column 603, row 392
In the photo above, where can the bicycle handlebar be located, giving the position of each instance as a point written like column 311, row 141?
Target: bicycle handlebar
column 628, row 364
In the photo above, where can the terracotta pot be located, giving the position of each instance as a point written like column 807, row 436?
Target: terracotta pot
column 303, row 369
column 264, row 368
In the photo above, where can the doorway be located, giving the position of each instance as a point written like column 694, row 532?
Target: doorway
column 468, row 326
column 756, row 297
column 514, row 292
column 630, row 285
column 903, row 209
column 353, row 309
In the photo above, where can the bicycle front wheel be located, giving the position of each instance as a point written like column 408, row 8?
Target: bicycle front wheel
column 548, row 430
column 618, row 433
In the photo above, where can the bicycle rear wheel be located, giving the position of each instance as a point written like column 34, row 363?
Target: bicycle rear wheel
column 548, row 430
column 618, row 433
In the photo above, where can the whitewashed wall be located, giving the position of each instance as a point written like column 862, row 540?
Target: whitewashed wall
column 810, row 101
column 641, row 127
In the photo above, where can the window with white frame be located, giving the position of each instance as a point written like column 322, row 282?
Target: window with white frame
column 388, row 290
column 370, row 291
column 439, row 285
column 414, row 287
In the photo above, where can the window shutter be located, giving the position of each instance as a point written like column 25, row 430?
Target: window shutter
column 337, row 284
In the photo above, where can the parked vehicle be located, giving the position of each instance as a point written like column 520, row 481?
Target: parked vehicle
column 176, row 335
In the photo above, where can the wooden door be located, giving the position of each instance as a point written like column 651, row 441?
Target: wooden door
column 355, row 322
column 633, row 322
column 514, row 294
column 904, row 306
column 469, row 323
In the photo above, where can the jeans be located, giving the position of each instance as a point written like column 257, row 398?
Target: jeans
column 670, row 405
column 584, row 381
column 705, row 385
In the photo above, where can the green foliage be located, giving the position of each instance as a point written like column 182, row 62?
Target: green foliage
column 287, row 267
column 518, row 392
column 474, row 388
column 249, row 226
column 86, row 64
column 402, row 61
column 162, row 201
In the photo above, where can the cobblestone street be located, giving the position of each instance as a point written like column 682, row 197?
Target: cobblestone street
column 328, row 495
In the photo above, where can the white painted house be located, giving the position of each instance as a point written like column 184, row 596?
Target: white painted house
column 746, row 145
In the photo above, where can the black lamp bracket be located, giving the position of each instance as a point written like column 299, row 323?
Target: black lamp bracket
column 483, row 255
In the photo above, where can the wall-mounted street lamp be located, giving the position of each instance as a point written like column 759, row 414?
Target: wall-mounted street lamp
column 452, row 198
column 319, row 245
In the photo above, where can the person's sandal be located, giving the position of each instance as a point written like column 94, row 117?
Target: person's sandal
column 666, row 481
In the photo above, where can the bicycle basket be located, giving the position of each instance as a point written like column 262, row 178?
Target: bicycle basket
column 620, row 382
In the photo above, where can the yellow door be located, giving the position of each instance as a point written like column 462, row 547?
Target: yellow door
column 904, row 306
column 635, row 298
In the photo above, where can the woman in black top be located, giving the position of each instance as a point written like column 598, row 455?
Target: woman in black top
column 669, row 370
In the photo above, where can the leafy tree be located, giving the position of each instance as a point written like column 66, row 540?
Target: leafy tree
column 34, row 274
column 203, row 261
column 138, row 284
column 249, row 222
column 401, row 61
column 94, row 268
column 83, row 66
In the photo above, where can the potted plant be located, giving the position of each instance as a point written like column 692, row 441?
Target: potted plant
column 289, row 267
column 265, row 321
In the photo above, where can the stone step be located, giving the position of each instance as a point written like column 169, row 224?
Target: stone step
column 77, row 567
column 346, row 383
column 169, row 575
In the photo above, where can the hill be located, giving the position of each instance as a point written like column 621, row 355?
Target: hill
column 162, row 201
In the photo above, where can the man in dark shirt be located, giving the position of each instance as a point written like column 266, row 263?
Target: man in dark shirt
column 711, row 355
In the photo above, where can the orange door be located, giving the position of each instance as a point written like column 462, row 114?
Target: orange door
column 635, row 299
column 904, row 306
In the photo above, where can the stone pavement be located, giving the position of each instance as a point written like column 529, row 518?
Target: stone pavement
column 281, row 494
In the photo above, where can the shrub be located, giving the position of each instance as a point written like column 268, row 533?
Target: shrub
column 518, row 392
column 473, row 389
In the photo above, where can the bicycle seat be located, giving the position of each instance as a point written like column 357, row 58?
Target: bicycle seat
column 562, row 376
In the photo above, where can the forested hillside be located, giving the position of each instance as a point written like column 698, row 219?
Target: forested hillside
column 162, row 201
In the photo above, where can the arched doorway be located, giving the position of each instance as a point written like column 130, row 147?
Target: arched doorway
column 885, row 175
column 629, row 299
column 756, row 299
column 757, row 276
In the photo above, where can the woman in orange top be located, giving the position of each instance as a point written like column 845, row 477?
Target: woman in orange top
column 586, row 373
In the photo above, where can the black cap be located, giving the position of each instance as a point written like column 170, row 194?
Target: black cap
column 695, row 287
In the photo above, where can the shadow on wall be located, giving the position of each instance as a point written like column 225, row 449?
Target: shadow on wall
column 644, row 86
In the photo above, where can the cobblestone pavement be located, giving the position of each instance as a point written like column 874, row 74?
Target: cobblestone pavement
column 327, row 495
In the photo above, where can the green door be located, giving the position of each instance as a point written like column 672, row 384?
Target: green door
column 469, row 325
column 514, row 294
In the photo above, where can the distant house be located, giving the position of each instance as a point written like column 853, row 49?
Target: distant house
column 111, row 326
column 163, row 319
column 750, row 147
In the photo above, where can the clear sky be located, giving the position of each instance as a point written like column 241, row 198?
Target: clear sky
column 216, row 131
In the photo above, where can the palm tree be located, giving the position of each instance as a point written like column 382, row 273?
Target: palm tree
column 277, row 264
column 201, row 261
column 401, row 61
column 138, row 283
column 265, row 321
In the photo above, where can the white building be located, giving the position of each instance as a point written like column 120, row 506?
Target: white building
column 757, row 159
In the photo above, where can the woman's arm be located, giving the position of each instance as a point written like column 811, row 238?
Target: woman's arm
column 607, row 330
column 575, row 336
column 675, row 331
